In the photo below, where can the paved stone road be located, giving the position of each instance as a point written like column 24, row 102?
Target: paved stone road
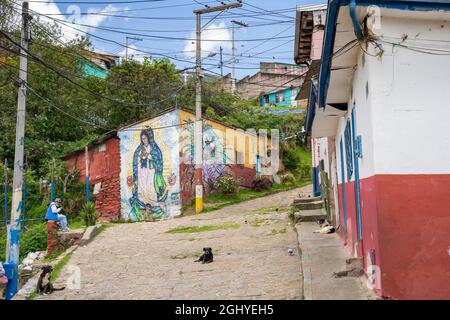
column 142, row 261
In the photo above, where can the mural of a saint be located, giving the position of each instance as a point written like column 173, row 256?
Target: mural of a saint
column 149, row 190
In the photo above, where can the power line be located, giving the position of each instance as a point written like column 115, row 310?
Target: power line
column 60, row 73
column 60, row 109
column 96, row 2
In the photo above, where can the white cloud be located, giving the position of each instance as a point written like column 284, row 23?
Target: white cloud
column 52, row 10
column 215, row 39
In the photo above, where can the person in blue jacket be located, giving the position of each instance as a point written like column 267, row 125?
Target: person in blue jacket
column 53, row 214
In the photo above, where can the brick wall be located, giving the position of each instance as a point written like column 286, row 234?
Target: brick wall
column 104, row 169
column 244, row 175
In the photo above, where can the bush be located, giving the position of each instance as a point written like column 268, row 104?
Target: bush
column 89, row 214
column 291, row 158
column 297, row 160
column 34, row 239
column 305, row 170
column 261, row 184
column 288, row 179
column 226, row 185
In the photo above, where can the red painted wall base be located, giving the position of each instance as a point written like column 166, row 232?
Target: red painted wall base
column 405, row 237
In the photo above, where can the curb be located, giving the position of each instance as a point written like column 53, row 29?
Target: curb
column 90, row 233
column 306, row 268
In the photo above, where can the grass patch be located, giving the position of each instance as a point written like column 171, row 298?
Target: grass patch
column 268, row 210
column 215, row 202
column 193, row 229
column 179, row 256
column 275, row 232
column 58, row 267
column 54, row 255
column 32, row 296
column 77, row 224
column 258, row 222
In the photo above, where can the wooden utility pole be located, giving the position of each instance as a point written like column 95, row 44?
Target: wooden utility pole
column 233, row 52
column 198, row 139
column 16, row 207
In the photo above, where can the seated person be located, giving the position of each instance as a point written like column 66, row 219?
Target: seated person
column 53, row 214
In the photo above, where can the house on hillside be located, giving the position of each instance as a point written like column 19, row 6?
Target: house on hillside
column 146, row 171
column 377, row 118
column 271, row 78
column 98, row 64
column 280, row 98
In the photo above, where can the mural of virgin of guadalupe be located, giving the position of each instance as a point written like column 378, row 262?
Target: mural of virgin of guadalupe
column 149, row 188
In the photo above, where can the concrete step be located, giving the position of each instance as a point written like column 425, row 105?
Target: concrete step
column 309, row 205
column 306, row 199
column 311, row 215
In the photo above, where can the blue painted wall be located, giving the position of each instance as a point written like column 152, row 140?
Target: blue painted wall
column 288, row 100
column 91, row 70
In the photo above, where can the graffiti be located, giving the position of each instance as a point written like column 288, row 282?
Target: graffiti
column 149, row 168
column 214, row 158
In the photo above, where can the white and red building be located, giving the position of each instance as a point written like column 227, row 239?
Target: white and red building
column 378, row 115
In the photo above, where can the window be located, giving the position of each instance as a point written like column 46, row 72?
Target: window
column 348, row 150
column 102, row 148
column 280, row 97
column 266, row 100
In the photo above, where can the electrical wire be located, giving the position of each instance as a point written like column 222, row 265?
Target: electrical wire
column 60, row 73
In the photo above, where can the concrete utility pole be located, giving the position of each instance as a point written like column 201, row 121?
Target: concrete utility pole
column 198, row 142
column 16, row 207
column 126, row 44
column 5, row 189
column 233, row 52
column 221, row 61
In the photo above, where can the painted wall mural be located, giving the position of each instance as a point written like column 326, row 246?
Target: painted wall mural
column 214, row 157
column 150, row 166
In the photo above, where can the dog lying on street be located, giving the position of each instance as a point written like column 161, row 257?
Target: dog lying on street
column 206, row 257
column 44, row 285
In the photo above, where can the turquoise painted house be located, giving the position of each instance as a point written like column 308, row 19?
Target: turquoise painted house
column 281, row 98
column 98, row 64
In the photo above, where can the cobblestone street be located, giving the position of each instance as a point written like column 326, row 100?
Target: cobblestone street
column 143, row 261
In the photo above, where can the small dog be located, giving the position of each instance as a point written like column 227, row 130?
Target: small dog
column 325, row 227
column 206, row 257
column 44, row 285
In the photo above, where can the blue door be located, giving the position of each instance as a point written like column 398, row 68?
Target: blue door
column 356, row 153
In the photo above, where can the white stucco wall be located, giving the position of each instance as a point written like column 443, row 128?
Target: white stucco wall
column 410, row 94
column 404, row 116
column 363, row 121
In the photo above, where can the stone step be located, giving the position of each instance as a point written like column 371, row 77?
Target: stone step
column 72, row 237
column 309, row 205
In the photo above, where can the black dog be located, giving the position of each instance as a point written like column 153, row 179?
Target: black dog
column 44, row 286
column 206, row 257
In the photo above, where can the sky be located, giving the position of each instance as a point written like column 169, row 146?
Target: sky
column 166, row 28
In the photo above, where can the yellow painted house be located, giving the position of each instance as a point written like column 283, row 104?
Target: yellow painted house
column 157, row 161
